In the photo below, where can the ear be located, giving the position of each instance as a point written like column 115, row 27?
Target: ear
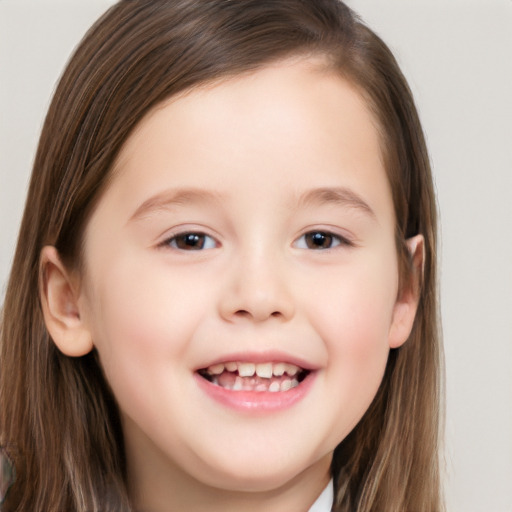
column 407, row 301
column 60, row 303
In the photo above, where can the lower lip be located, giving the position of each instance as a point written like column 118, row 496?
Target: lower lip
column 257, row 401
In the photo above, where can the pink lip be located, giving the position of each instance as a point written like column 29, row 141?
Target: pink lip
column 256, row 401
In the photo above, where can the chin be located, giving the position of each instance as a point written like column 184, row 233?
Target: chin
column 254, row 483
column 259, row 476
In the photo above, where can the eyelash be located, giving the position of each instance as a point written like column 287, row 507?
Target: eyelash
column 198, row 241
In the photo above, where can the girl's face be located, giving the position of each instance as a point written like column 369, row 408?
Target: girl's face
column 248, row 231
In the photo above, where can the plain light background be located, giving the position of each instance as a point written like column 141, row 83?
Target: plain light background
column 457, row 56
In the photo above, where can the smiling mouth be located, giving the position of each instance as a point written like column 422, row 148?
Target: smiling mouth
column 242, row 376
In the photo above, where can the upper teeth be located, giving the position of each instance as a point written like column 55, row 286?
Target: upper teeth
column 263, row 370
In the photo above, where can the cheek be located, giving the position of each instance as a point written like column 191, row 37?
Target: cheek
column 357, row 343
column 141, row 320
column 356, row 305
column 353, row 317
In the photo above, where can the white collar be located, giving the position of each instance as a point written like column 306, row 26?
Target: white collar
column 325, row 500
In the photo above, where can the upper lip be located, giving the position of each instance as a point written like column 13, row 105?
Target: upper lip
column 260, row 357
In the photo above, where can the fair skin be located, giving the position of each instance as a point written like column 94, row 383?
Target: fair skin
column 251, row 222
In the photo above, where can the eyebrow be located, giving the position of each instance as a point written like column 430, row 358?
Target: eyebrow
column 340, row 196
column 175, row 197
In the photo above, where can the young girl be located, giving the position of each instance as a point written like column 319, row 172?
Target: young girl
column 224, row 291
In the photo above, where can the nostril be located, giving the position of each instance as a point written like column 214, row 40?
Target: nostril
column 243, row 313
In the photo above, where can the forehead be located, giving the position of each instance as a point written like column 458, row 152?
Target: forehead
column 287, row 91
column 293, row 123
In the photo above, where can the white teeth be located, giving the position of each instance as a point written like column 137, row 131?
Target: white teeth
column 291, row 369
column 264, row 370
column 274, row 387
column 279, row 369
column 286, row 385
column 216, row 369
column 246, row 369
column 237, row 386
column 240, row 383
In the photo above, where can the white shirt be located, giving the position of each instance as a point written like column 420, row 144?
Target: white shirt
column 325, row 500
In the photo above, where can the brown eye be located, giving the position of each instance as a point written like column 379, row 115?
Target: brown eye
column 320, row 240
column 191, row 242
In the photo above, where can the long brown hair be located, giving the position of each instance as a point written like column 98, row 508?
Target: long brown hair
column 57, row 414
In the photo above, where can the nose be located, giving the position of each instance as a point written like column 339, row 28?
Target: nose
column 257, row 289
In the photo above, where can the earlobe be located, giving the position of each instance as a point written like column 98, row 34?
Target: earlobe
column 407, row 301
column 60, row 304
